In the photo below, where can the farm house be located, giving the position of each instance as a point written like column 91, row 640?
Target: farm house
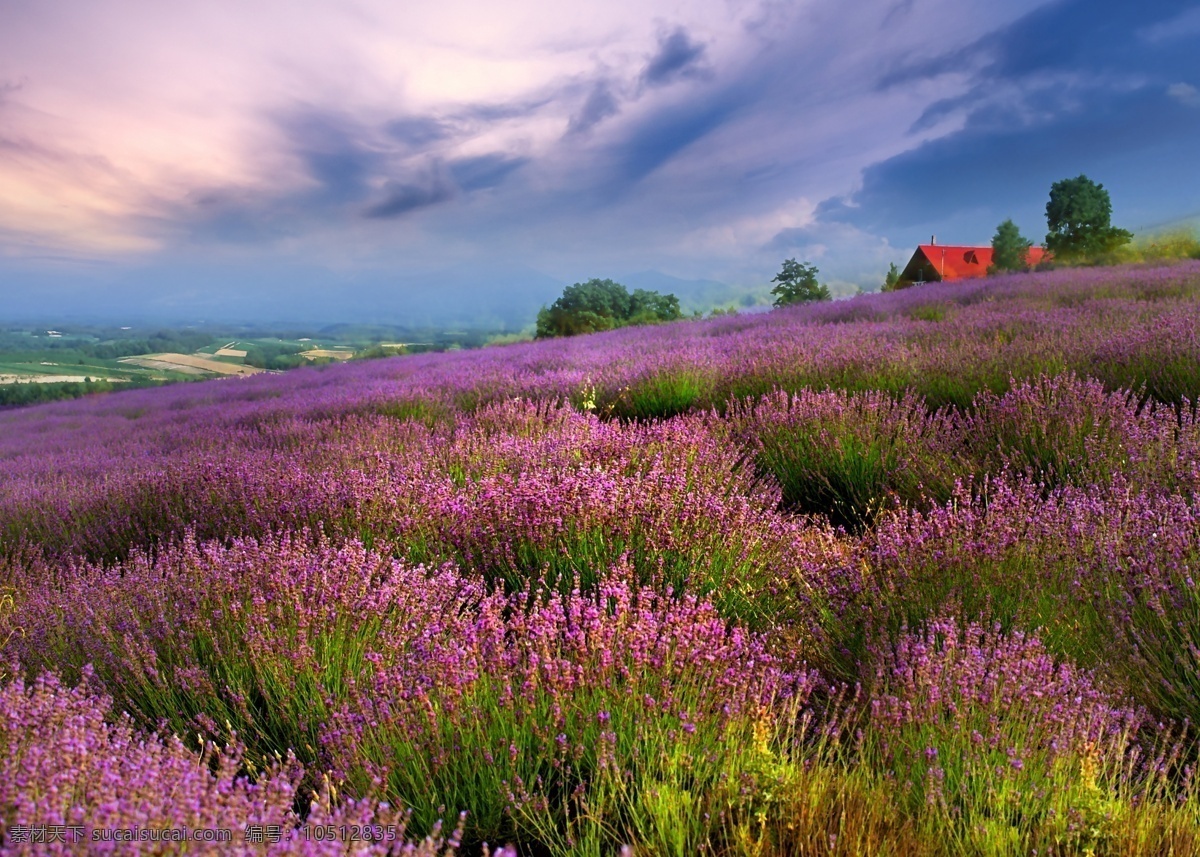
column 935, row 263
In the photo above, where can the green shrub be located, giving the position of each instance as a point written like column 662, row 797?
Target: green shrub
column 849, row 456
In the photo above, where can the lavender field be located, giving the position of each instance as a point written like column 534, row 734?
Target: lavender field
column 908, row 574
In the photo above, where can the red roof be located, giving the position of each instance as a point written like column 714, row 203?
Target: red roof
column 960, row 263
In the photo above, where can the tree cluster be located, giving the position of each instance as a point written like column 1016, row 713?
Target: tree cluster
column 34, row 393
column 164, row 340
column 273, row 356
column 1079, row 217
column 598, row 305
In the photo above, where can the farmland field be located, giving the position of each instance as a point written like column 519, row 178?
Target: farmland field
column 907, row 574
column 40, row 365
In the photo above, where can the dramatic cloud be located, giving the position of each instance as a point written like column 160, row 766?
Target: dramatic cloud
column 381, row 142
column 671, row 130
column 333, row 153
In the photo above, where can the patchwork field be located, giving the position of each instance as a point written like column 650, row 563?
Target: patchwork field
column 907, row 574
column 30, row 371
column 40, row 364
column 192, row 363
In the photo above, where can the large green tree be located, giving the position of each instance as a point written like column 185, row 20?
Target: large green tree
column 1079, row 216
column 797, row 283
column 603, row 305
column 1010, row 249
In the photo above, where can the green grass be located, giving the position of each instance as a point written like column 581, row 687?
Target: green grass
column 660, row 396
column 929, row 312
column 430, row 413
column 851, row 456
column 844, row 803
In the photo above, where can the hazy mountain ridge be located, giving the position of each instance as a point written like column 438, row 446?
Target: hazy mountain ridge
column 701, row 295
column 503, row 298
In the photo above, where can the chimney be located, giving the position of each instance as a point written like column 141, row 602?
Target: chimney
column 933, row 239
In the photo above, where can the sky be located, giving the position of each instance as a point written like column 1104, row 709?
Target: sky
column 367, row 159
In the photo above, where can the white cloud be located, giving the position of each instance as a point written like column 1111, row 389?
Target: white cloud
column 1182, row 26
column 1184, row 93
column 740, row 235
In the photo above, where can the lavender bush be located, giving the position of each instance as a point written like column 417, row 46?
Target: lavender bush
column 74, row 780
column 261, row 640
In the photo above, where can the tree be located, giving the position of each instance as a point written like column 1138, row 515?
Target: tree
column 797, row 283
column 603, row 305
column 892, row 280
column 1078, row 215
column 1010, row 249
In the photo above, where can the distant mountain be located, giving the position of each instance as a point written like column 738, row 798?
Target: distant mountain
column 467, row 295
column 463, row 296
column 695, row 295
column 455, row 297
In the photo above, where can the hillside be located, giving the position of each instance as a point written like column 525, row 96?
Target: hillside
column 908, row 573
